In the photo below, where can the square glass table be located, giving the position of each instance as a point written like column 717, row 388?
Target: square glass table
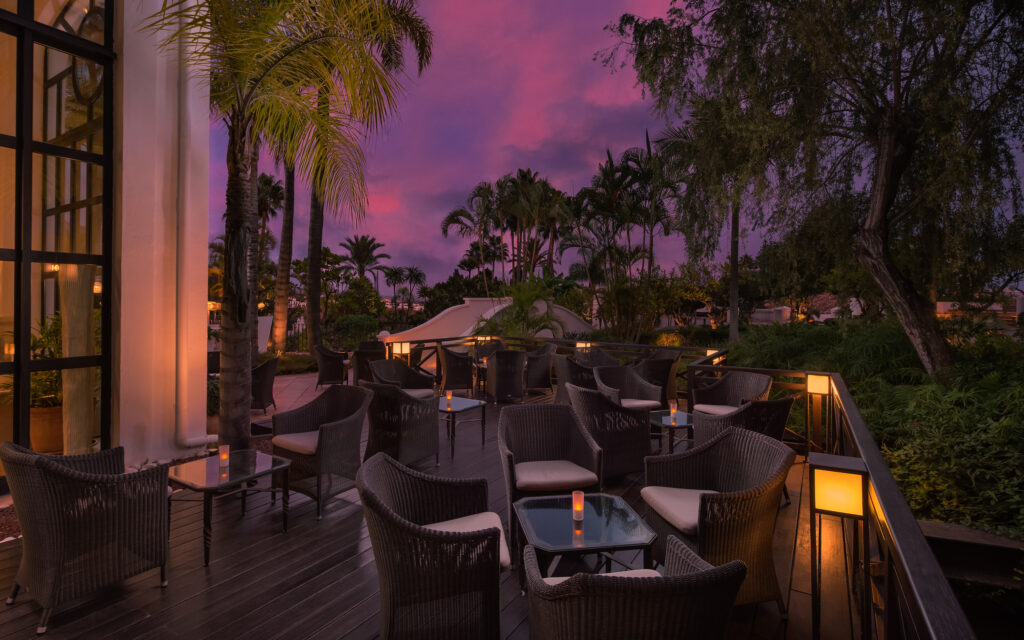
column 207, row 476
column 662, row 421
column 609, row 524
column 456, row 406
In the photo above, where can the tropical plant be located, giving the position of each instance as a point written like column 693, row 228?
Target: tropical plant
column 279, row 329
column 361, row 253
column 526, row 315
column 416, row 278
column 261, row 59
column 477, row 218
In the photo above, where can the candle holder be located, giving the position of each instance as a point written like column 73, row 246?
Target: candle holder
column 577, row 506
column 224, row 454
column 448, row 399
column 672, row 407
column 577, row 534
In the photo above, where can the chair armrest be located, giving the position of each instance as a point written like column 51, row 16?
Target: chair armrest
column 714, row 393
column 648, row 391
column 691, row 469
column 681, row 559
column 106, row 461
column 419, row 380
column 587, row 454
column 297, row 420
column 611, row 393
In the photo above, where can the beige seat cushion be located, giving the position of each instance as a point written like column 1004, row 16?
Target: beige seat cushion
column 478, row 522
column 632, row 573
column 422, row 394
column 637, row 403
column 302, row 443
column 715, row 409
column 552, row 475
column 679, row 507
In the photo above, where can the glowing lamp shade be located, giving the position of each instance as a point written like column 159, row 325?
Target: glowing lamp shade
column 818, row 385
column 711, row 352
column 582, row 345
column 839, row 484
column 400, row 348
column 577, row 506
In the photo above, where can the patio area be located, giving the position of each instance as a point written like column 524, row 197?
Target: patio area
column 319, row 580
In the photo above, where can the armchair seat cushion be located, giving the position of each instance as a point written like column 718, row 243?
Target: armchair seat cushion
column 303, row 443
column 714, row 409
column 636, row 403
column 478, row 522
column 679, row 507
column 553, row 475
column 632, row 573
column 422, row 394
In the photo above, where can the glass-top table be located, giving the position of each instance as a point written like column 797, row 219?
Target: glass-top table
column 662, row 421
column 208, row 476
column 609, row 524
column 457, row 405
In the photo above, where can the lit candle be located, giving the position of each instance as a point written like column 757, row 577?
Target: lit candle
column 577, row 534
column 577, row 506
column 485, row 361
column 224, row 451
column 448, row 398
column 672, row 411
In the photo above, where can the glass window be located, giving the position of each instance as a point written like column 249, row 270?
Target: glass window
column 67, row 205
column 8, row 80
column 65, row 410
column 66, row 310
column 7, row 157
column 68, row 100
column 6, row 311
column 83, row 18
column 9, row 5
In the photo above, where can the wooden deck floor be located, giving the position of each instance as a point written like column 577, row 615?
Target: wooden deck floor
column 318, row 580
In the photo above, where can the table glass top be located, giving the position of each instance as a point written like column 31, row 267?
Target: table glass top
column 662, row 418
column 206, row 474
column 458, row 404
column 608, row 523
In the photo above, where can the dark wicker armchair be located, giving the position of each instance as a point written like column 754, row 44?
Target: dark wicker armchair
column 397, row 373
column 595, row 357
column 692, row 600
column 544, row 449
column 570, row 372
column 624, row 435
column 321, row 438
column 505, row 375
column 661, row 369
column 456, row 369
column 438, row 549
column 538, row 367
column 263, row 385
column 722, row 498
column 85, row 523
column 364, row 354
column 730, row 391
column 330, row 366
column 626, row 388
column 401, row 425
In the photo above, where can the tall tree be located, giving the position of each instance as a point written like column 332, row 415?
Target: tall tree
column 416, row 279
column 282, row 288
column 260, row 58
column 394, row 276
column 478, row 217
column 269, row 199
column 363, row 254
column 912, row 104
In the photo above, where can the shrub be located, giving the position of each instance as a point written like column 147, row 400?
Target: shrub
column 345, row 332
column 212, row 395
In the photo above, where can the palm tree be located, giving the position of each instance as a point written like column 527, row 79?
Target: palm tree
column 477, row 217
column 269, row 199
column 361, row 254
column 260, row 59
column 279, row 329
column 415, row 277
column 394, row 276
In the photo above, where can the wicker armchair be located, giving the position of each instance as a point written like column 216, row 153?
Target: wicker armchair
column 321, row 438
column 263, row 385
column 487, row 349
column 625, row 388
column 505, row 375
column 661, row 369
column 624, row 435
column 456, row 369
column 401, row 425
column 730, row 391
column 396, row 372
column 85, row 523
column 439, row 552
column 570, row 372
column 364, row 354
column 692, row 600
column 538, row 367
column 544, row 450
column 722, row 498
column 595, row 357
column 330, row 366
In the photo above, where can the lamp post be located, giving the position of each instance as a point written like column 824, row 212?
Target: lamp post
column 839, row 487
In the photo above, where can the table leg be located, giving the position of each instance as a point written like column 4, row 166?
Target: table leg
column 451, row 434
column 671, row 441
column 648, row 562
column 207, row 526
column 244, row 492
column 284, row 501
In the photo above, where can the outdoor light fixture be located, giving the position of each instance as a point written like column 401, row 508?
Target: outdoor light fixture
column 577, row 506
column 819, row 384
column 9, row 349
column 583, row 345
column 97, row 287
column 839, row 487
column 399, row 348
column 53, row 268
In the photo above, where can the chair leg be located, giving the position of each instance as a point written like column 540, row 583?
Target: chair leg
column 163, row 576
column 14, row 593
column 785, row 493
column 43, row 621
column 319, row 499
column 782, row 607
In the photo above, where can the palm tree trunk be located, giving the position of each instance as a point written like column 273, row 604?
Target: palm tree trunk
column 483, row 265
column 316, row 234
column 734, row 275
column 239, row 224
column 279, row 332
column 253, row 258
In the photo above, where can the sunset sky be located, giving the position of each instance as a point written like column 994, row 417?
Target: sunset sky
column 513, row 84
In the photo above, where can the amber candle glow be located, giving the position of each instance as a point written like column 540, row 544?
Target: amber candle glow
column 577, row 505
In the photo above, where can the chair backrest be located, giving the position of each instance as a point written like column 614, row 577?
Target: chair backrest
column 661, row 369
column 391, row 371
column 744, row 386
column 623, row 434
column 595, row 357
column 456, row 369
column 540, row 431
column 570, row 372
column 364, row 354
column 487, row 349
column 330, row 366
column 263, row 383
column 768, row 417
column 401, row 426
column 547, row 348
column 508, row 367
column 745, row 459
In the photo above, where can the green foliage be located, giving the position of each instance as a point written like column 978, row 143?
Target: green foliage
column 360, row 298
column 451, row 292
column 291, row 363
column 956, row 447
column 212, row 395
column 527, row 315
column 345, row 332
